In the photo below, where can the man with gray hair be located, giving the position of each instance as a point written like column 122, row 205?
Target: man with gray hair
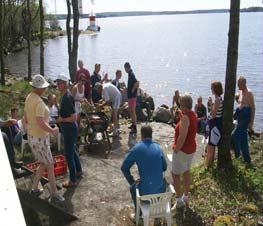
column 245, row 98
column 111, row 96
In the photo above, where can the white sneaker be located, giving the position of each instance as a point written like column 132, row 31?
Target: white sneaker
column 185, row 199
column 179, row 204
column 57, row 197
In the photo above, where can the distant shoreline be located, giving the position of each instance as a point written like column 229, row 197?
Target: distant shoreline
column 149, row 13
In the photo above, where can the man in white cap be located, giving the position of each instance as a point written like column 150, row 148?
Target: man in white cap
column 68, row 124
column 38, row 130
column 111, row 96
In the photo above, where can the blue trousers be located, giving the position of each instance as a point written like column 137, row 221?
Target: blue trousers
column 240, row 142
column 70, row 132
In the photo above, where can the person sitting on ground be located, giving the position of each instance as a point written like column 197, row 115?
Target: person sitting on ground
column 244, row 116
column 53, row 108
column 215, row 122
column 133, row 86
column 67, row 120
column 151, row 164
column 111, row 96
column 184, row 148
column 84, row 72
column 38, row 131
column 15, row 129
column 78, row 95
column 246, row 99
column 175, row 108
column 7, row 136
column 201, row 113
column 96, row 77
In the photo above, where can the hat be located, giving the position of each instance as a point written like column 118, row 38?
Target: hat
column 97, row 85
column 39, row 81
column 62, row 77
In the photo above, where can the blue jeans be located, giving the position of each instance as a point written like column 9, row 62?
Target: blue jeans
column 70, row 132
column 240, row 142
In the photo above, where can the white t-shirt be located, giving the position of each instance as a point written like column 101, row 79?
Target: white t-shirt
column 53, row 112
column 110, row 92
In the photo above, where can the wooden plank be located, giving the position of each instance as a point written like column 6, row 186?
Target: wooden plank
column 44, row 207
column 43, row 179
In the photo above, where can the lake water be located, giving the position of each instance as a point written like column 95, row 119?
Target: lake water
column 184, row 52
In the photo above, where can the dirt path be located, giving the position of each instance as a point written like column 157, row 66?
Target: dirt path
column 102, row 197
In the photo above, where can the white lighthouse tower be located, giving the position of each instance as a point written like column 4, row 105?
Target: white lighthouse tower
column 92, row 20
column 80, row 7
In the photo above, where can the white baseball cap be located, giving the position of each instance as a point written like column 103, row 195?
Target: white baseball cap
column 62, row 77
column 38, row 81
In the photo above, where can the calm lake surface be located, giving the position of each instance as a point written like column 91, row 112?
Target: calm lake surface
column 184, row 52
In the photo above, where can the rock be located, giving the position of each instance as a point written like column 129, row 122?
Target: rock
column 161, row 114
column 145, row 106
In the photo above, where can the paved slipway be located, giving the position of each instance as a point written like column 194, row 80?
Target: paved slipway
column 102, row 196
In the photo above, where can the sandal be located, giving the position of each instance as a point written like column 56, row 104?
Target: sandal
column 68, row 184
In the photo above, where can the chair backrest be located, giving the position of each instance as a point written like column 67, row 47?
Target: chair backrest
column 158, row 203
column 21, row 126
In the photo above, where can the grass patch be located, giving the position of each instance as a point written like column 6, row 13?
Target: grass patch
column 229, row 198
column 14, row 95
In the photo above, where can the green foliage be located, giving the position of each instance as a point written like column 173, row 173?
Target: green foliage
column 229, row 197
column 15, row 24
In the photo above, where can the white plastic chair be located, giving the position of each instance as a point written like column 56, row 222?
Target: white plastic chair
column 154, row 206
column 24, row 142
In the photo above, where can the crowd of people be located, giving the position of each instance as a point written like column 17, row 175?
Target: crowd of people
column 41, row 120
column 148, row 155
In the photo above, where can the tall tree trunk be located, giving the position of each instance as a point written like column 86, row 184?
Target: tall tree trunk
column 72, row 46
column 29, row 72
column 224, row 156
column 74, row 52
column 2, row 63
column 41, row 15
column 68, row 27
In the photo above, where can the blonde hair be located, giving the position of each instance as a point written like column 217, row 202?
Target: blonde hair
column 186, row 101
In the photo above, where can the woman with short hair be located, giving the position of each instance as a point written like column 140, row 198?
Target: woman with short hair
column 184, row 148
column 215, row 122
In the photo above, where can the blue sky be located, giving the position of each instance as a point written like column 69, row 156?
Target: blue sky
column 148, row 5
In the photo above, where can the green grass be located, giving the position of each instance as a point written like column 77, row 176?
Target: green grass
column 14, row 96
column 229, row 198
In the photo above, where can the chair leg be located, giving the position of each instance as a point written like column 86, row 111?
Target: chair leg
column 59, row 141
column 22, row 148
column 145, row 220
column 137, row 215
column 168, row 220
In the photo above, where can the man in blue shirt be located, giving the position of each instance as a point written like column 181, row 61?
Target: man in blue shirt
column 150, row 162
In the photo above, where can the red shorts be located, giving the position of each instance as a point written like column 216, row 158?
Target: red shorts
column 132, row 102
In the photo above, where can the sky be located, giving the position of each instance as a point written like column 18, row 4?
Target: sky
column 147, row 5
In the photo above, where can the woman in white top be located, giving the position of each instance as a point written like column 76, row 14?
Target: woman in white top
column 53, row 108
column 79, row 95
